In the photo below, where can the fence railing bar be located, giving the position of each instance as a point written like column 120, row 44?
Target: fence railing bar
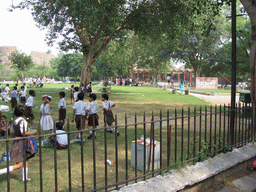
column 69, row 159
column 126, row 150
column 220, row 127
column 210, row 129
column 194, row 151
column 205, row 127
column 105, row 152
column 116, row 151
column 55, row 161
column 144, row 146
column 182, row 134
column 161, row 144
column 153, row 144
column 136, row 147
column 188, row 151
column 8, row 154
column 200, row 129
column 175, row 147
column 94, row 155
column 215, row 128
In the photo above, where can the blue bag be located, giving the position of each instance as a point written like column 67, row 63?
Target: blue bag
column 33, row 144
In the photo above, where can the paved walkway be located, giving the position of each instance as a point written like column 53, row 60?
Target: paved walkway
column 244, row 184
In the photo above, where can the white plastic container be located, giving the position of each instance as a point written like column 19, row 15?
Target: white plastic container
column 140, row 155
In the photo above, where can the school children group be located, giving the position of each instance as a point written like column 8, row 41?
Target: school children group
column 19, row 126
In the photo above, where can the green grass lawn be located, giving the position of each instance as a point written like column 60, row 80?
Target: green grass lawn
column 128, row 100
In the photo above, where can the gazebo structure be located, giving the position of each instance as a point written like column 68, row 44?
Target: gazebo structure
column 140, row 72
column 182, row 74
column 176, row 74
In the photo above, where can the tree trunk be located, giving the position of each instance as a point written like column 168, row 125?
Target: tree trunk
column 86, row 72
column 22, row 76
column 250, row 7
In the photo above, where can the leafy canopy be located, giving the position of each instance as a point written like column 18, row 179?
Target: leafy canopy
column 90, row 24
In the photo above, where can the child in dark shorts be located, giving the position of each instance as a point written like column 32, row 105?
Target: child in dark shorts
column 14, row 94
column 29, row 105
column 62, row 107
column 72, row 93
column 79, row 110
column 23, row 94
column 92, row 110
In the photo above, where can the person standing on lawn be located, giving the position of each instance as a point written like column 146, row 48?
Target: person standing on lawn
column 79, row 110
column 108, row 114
column 46, row 122
column 62, row 107
column 72, row 93
column 23, row 95
column 14, row 94
column 92, row 110
column 29, row 105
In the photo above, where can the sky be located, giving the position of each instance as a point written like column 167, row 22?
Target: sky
column 19, row 29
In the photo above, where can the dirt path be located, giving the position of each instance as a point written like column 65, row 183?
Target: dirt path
column 219, row 99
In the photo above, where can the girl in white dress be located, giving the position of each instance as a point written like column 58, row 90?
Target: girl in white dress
column 46, row 122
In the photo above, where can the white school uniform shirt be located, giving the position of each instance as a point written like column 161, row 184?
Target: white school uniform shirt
column 107, row 104
column 62, row 103
column 62, row 138
column 17, row 89
column 22, row 93
column 25, row 88
column 92, row 107
column 75, row 95
column 7, row 89
column 30, row 101
column 23, row 123
column 14, row 93
column 80, row 107
column 88, row 86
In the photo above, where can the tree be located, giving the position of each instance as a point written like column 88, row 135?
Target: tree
column 21, row 62
column 68, row 64
column 89, row 25
column 250, row 7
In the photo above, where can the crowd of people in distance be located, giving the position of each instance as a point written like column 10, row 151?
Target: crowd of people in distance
column 19, row 127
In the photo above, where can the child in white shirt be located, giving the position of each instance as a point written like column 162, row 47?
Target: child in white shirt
column 92, row 110
column 79, row 110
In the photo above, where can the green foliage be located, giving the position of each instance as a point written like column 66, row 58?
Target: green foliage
column 21, row 62
column 68, row 65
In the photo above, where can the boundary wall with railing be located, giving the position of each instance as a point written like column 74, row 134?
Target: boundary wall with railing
column 145, row 148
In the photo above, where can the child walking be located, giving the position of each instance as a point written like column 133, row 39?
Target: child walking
column 46, row 122
column 62, row 107
column 17, row 153
column 14, row 94
column 79, row 110
column 92, row 110
column 29, row 105
column 108, row 114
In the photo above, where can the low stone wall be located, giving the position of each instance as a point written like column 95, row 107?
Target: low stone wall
column 195, row 177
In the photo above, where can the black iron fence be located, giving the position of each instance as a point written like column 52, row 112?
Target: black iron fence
column 148, row 145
